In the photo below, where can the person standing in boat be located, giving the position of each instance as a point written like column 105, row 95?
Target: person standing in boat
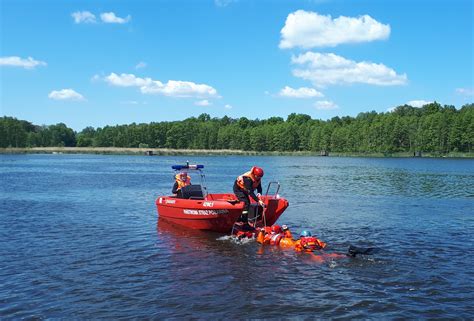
column 244, row 188
column 182, row 180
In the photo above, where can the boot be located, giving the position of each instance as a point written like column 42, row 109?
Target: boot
column 244, row 218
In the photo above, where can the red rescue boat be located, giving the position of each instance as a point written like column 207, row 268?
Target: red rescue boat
column 196, row 209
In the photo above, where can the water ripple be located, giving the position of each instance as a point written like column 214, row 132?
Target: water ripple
column 80, row 240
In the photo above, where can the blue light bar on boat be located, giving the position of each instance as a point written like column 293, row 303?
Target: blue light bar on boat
column 188, row 166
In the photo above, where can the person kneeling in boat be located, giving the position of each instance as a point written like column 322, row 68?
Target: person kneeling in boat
column 182, row 180
column 244, row 187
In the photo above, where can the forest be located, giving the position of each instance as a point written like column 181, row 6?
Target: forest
column 432, row 128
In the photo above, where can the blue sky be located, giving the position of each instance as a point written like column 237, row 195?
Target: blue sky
column 97, row 63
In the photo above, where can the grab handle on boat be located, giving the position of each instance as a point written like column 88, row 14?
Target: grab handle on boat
column 268, row 188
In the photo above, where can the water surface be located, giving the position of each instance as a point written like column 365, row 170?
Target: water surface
column 81, row 239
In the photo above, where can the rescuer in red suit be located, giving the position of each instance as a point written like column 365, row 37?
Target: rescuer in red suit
column 244, row 188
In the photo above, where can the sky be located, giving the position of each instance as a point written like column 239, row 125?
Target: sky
column 98, row 63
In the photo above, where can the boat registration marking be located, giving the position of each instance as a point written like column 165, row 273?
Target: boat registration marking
column 208, row 204
column 170, row 201
column 205, row 212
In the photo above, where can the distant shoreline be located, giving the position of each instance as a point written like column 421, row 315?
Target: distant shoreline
column 206, row 152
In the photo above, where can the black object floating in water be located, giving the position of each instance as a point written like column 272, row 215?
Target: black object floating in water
column 354, row 250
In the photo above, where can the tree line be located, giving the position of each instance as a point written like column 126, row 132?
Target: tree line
column 431, row 128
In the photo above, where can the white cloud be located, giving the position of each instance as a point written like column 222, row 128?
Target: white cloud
column 83, row 17
column 329, row 69
column 127, row 80
column 173, row 88
column 14, row 61
column 302, row 92
column 465, row 91
column 110, row 17
column 140, row 65
column 325, row 105
column 321, row 60
column 177, row 88
column 418, row 103
column 309, row 29
column 227, row 106
column 203, row 102
column 106, row 17
column 65, row 94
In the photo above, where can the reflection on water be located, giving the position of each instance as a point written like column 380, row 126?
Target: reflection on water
column 80, row 237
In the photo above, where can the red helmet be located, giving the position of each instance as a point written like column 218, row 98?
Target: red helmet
column 276, row 229
column 257, row 171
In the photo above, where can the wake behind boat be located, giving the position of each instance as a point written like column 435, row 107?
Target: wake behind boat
column 193, row 207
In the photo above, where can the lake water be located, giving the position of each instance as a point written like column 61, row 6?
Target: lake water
column 80, row 239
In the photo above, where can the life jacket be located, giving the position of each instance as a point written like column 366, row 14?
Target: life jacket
column 265, row 235
column 267, row 238
column 287, row 242
column 310, row 243
column 255, row 181
column 262, row 235
column 181, row 183
column 275, row 239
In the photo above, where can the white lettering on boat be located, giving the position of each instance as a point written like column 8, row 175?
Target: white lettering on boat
column 170, row 201
column 205, row 212
column 208, row 204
